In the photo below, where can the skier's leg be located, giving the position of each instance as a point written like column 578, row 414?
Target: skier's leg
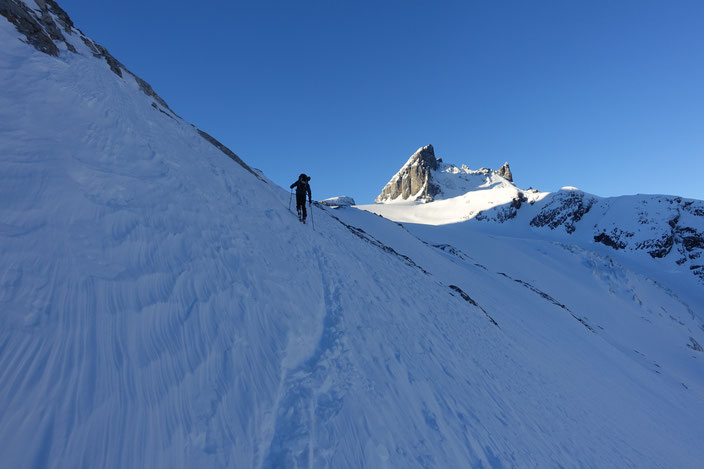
column 301, row 205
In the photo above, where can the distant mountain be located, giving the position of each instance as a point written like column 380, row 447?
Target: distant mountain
column 667, row 228
column 426, row 178
column 426, row 190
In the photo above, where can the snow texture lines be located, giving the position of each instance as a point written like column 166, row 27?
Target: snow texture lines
column 549, row 298
column 360, row 233
column 313, row 392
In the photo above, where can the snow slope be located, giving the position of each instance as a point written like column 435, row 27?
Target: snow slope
column 491, row 193
column 160, row 306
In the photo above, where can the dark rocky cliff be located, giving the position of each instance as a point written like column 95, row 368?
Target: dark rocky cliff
column 414, row 178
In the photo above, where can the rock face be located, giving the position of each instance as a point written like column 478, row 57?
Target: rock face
column 414, row 178
column 40, row 30
column 505, row 172
column 50, row 29
column 564, row 209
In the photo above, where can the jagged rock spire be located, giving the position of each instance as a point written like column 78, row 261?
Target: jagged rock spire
column 505, row 172
column 414, row 179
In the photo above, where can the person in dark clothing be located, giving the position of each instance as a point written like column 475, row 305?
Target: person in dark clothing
column 302, row 187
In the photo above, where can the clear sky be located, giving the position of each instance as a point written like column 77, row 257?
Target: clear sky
column 607, row 96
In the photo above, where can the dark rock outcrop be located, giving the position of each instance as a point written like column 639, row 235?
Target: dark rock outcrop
column 682, row 234
column 504, row 213
column 565, row 209
column 658, row 247
column 607, row 240
column 227, row 151
column 40, row 31
column 694, row 345
column 505, row 172
column 414, row 179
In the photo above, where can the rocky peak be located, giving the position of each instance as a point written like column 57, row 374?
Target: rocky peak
column 426, row 178
column 414, row 180
column 505, row 172
column 426, row 157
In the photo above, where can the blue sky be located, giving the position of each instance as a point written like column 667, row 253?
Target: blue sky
column 607, row 96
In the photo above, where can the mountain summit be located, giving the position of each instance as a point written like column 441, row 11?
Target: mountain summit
column 426, row 178
column 414, row 180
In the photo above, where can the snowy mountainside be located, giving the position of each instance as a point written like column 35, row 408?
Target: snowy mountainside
column 161, row 307
column 532, row 288
column 668, row 229
column 589, row 287
column 457, row 209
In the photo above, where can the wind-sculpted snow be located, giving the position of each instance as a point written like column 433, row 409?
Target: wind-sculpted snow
column 549, row 298
column 534, row 289
column 161, row 307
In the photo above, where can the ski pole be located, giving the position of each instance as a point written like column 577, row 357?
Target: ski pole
column 289, row 200
column 312, row 221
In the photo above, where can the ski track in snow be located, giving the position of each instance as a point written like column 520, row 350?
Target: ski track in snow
column 306, row 400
